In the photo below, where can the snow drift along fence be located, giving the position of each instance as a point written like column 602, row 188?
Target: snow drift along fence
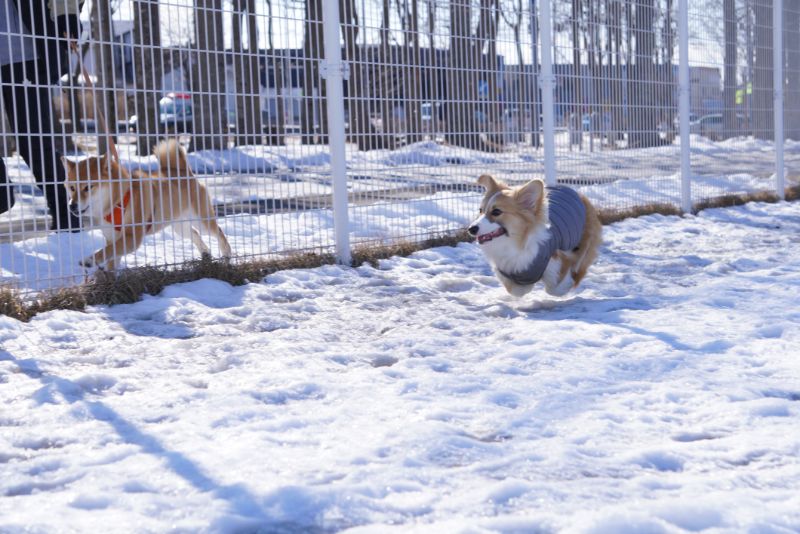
column 321, row 126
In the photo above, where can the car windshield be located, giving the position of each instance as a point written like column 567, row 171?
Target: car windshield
column 175, row 106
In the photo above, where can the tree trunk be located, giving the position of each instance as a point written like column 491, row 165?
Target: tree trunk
column 468, row 114
column 644, row 109
column 148, row 68
column 615, row 39
column 462, row 80
column 208, row 78
column 105, row 89
column 414, row 79
column 575, row 120
column 533, row 95
column 763, row 105
column 314, row 110
column 486, row 32
column 276, row 62
column 791, row 92
column 730, row 124
column 387, row 76
column 246, row 75
column 434, row 68
column 359, row 87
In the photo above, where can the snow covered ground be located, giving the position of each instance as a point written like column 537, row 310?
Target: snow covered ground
column 664, row 396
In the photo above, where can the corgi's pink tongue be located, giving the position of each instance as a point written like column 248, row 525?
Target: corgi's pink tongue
column 491, row 235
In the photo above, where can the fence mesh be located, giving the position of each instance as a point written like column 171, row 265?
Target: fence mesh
column 435, row 94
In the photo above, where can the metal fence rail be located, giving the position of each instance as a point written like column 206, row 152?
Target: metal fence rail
column 319, row 126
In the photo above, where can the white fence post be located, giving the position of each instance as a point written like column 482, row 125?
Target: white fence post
column 547, row 80
column 683, row 105
column 334, row 70
column 777, row 76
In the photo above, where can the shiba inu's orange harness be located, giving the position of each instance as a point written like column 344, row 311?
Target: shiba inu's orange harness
column 115, row 217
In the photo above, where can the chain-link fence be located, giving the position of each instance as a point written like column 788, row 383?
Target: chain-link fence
column 319, row 126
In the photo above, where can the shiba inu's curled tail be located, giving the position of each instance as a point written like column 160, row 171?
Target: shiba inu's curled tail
column 172, row 159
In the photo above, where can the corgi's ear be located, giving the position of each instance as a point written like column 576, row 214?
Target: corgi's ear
column 488, row 183
column 531, row 194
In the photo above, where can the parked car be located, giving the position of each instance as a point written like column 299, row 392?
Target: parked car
column 596, row 122
column 516, row 124
column 676, row 122
column 713, row 125
column 175, row 114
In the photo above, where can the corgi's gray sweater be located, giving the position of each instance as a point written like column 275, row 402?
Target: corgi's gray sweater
column 567, row 217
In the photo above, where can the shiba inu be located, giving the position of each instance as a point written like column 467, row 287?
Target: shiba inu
column 128, row 207
column 532, row 233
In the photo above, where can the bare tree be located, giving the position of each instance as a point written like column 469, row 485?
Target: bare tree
column 763, row 114
column 791, row 91
column 147, row 69
column 577, row 77
column 103, row 31
column 535, row 96
column 462, row 80
column 361, row 85
column 405, row 67
column 208, row 77
column 386, row 73
column 276, row 63
column 730, row 124
column 468, row 112
column 643, row 130
column 246, row 74
column 434, row 68
column 616, row 58
column 513, row 14
column 313, row 111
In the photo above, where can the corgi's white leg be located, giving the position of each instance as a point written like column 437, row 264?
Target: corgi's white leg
column 554, row 284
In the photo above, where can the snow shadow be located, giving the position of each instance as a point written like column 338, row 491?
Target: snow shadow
column 612, row 311
column 168, row 315
column 241, row 501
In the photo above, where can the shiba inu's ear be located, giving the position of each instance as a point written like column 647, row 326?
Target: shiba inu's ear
column 530, row 195
column 68, row 164
column 488, row 183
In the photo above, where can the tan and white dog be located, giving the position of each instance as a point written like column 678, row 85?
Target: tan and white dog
column 532, row 233
column 128, row 207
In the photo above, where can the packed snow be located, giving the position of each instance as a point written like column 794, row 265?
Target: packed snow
column 417, row 396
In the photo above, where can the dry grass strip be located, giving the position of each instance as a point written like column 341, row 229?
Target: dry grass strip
column 129, row 285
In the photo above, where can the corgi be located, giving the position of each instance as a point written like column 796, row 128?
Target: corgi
column 535, row 233
column 128, row 207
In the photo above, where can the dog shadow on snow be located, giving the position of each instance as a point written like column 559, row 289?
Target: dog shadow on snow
column 612, row 313
column 557, row 309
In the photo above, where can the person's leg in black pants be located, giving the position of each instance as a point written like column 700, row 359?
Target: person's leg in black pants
column 28, row 109
column 6, row 189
